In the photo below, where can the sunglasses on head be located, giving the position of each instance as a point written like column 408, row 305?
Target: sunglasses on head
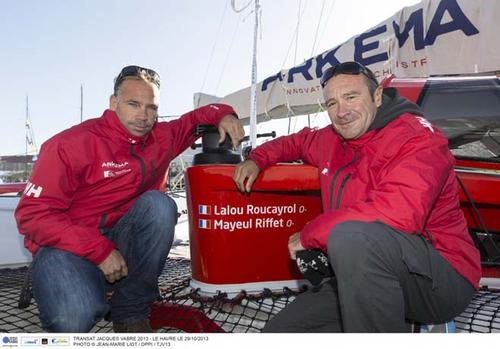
column 349, row 68
column 135, row 70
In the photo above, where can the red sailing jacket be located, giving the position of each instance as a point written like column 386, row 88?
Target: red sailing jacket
column 88, row 176
column 400, row 174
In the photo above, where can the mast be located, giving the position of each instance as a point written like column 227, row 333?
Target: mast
column 253, row 90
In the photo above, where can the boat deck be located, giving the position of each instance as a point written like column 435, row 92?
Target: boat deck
column 182, row 309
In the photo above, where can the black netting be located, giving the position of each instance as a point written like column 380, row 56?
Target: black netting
column 482, row 314
column 181, row 309
column 13, row 319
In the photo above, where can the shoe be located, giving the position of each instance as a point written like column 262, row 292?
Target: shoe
column 140, row 326
column 447, row 327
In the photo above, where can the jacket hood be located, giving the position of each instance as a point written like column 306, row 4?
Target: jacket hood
column 393, row 105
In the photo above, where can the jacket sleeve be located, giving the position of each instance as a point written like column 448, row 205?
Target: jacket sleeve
column 300, row 145
column 182, row 135
column 41, row 216
column 407, row 189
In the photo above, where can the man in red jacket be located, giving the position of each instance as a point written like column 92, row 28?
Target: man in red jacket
column 92, row 214
column 391, row 225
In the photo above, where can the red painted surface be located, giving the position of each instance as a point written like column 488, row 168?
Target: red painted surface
column 410, row 88
column 485, row 193
column 256, row 250
column 183, row 317
column 250, row 254
column 12, row 188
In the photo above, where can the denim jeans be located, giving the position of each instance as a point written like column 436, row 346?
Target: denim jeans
column 71, row 291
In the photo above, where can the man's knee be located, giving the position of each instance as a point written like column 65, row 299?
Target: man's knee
column 74, row 318
column 348, row 236
column 159, row 205
column 160, row 210
column 352, row 240
column 161, row 217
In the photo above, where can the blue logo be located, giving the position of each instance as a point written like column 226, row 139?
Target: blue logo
column 6, row 340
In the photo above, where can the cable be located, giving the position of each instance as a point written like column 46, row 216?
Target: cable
column 479, row 220
column 213, row 49
column 227, row 55
column 241, row 9
column 313, row 49
column 330, row 11
column 293, row 37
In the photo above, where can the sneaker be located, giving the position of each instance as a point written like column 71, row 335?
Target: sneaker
column 140, row 326
column 447, row 327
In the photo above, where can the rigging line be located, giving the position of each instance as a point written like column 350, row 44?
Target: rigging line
column 313, row 49
column 213, row 49
column 330, row 11
column 297, row 36
column 293, row 39
column 233, row 5
column 228, row 54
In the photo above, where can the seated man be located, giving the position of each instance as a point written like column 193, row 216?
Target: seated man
column 392, row 227
column 92, row 214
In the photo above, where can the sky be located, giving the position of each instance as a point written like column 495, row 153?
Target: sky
column 50, row 48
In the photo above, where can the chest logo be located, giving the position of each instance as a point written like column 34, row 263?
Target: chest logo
column 424, row 122
column 113, row 169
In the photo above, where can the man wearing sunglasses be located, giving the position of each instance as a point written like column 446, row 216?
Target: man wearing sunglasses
column 92, row 214
column 392, row 228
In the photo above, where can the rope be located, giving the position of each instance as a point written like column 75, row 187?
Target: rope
column 227, row 55
column 313, row 49
column 213, row 49
column 233, row 5
column 330, row 11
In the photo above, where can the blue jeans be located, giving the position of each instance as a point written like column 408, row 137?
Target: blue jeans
column 71, row 291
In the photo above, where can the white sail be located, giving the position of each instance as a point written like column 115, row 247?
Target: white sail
column 433, row 37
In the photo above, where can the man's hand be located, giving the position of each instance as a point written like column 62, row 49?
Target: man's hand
column 294, row 245
column 231, row 125
column 246, row 170
column 114, row 267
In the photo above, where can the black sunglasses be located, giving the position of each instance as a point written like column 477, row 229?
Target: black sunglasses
column 135, row 70
column 350, row 68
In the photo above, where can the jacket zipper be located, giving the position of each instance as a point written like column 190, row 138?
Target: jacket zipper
column 152, row 165
column 341, row 188
column 334, row 178
column 103, row 220
column 143, row 165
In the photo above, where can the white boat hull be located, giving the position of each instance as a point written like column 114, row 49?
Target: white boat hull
column 12, row 251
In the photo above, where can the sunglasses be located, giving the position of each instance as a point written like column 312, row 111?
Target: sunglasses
column 350, row 68
column 135, row 70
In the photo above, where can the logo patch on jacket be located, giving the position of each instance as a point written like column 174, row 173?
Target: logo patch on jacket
column 425, row 123
column 33, row 190
column 113, row 169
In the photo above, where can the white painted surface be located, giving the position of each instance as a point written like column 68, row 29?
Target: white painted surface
column 12, row 250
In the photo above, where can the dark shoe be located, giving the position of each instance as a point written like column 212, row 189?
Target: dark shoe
column 141, row 326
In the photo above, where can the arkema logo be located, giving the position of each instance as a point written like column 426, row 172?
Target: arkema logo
column 111, row 164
